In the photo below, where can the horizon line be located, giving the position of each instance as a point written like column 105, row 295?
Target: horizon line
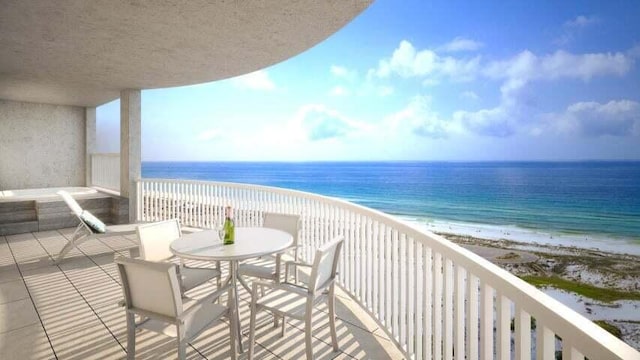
column 390, row 161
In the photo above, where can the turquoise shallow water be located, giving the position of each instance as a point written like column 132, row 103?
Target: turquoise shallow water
column 601, row 198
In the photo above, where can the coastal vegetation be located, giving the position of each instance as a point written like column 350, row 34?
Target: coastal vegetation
column 614, row 330
column 607, row 295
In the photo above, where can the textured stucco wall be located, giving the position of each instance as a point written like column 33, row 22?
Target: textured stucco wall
column 41, row 145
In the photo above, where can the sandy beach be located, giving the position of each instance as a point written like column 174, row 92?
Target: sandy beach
column 611, row 281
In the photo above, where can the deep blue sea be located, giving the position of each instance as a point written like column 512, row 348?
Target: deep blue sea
column 601, row 198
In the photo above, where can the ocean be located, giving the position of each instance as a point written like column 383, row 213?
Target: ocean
column 588, row 204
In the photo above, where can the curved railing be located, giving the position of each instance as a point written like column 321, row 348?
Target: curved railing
column 435, row 299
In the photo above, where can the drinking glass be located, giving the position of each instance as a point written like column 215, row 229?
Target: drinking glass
column 221, row 232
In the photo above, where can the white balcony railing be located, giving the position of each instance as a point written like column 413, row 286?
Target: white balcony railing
column 105, row 171
column 435, row 299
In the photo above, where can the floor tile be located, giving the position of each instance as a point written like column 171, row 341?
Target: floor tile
column 17, row 314
column 12, row 291
column 29, row 342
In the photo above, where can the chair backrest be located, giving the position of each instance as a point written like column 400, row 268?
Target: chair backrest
column 155, row 239
column 150, row 286
column 71, row 202
column 325, row 264
column 286, row 223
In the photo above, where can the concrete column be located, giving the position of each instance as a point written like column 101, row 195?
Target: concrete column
column 130, row 146
column 90, row 141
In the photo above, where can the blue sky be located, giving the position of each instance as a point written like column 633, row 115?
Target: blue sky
column 420, row 80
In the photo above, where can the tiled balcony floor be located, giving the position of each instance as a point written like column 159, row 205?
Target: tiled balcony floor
column 69, row 311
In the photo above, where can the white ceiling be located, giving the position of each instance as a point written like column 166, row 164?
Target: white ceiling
column 83, row 52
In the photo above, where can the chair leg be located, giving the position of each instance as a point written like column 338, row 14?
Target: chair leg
column 284, row 326
column 252, row 327
column 131, row 336
column 332, row 318
column 232, row 331
column 182, row 349
column 308, row 330
column 244, row 284
column 76, row 240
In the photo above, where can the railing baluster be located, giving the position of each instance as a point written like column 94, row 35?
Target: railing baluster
column 388, row 285
column 448, row 309
column 570, row 353
column 369, row 253
column 403, row 290
column 522, row 324
column 418, row 299
column 411, row 290
column 503, row 327
column 486, row 323
column 472, row 316
column 545, row 341
column 458, row 309
column 437, row 306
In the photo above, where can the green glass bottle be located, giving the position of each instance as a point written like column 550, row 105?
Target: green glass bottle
column 229, row 227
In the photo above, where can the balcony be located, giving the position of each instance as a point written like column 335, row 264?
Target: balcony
column 404, row 292
column 70, row 311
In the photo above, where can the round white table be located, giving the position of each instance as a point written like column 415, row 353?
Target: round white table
column 249, row 243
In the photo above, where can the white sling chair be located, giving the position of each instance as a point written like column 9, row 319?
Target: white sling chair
column 155, row 240
column 286, row 223
column 89, row 227
column 152, row 291
column 288, row 299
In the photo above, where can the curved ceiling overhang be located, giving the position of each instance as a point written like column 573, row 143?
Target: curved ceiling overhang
column 83, row 52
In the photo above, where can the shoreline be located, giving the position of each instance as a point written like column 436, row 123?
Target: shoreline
column 600, row 285
column 534, row 237
column 593, row 266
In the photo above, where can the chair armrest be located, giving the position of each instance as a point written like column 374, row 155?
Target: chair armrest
column 267, row 284
column 292, row 263
column 297, row 263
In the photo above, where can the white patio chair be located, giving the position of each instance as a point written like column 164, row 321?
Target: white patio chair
column 286, row 223
column 155, row 240
column 288, row 299
column 152, row 291
column 89, row 227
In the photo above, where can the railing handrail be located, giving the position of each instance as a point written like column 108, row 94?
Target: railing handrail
column 564, row 321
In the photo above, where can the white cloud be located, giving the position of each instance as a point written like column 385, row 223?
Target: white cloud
column 321, row 123
column 420, row 119
column 593, row 119
column 461, row 44
column 508, row 117
column 258, row 80
column 339, row 91
column 526, row 66
column 573, row 27
column 407, row 62
column 469, row 95
column 340, row 71
column 511, row 115
column 581, row 21
column 497, row 122
column 209, row 135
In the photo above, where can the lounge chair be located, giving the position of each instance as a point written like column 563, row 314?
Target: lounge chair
column 90, row 227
